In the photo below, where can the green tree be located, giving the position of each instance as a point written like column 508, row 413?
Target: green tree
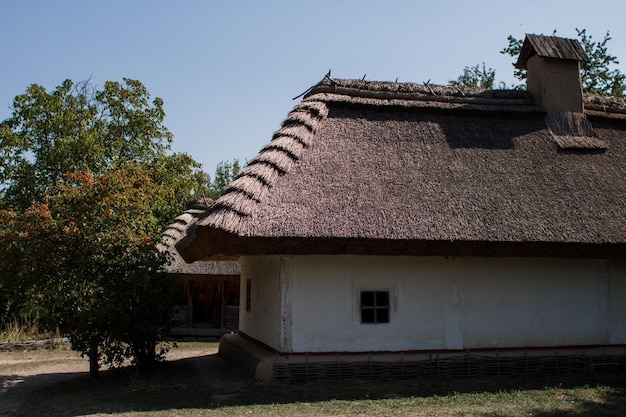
column 513, row 49
column 179, row 178
column 225, row 173
column 88, row 263
column 74, row 254
column 598, row 75
column 476, row 77
column 78, row 127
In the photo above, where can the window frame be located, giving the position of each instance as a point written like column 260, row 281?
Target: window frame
column 381, row 311
column 248, row 295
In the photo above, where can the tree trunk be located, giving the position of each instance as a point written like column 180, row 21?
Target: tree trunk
column 94, row 358
column 144, row 355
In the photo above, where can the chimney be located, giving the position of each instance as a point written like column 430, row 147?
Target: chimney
column 553, row 79
column 553, row 72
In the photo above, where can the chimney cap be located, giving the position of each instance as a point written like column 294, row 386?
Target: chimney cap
column 550, row 47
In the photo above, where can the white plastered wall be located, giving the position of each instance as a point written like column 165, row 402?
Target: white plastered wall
column 265, row 310
column 310, row 303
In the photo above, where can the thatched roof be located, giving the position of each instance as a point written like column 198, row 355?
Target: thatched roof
column 405, row 169
column 177, row 230
column 550, row 47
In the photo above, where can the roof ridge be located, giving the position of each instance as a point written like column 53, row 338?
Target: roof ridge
column 413, row 95
column 422, row 92
column 240, row 198
column 606, row 104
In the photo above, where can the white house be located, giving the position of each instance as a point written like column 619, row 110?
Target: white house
column 429, row 227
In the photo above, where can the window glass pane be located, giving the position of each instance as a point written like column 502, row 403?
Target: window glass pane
column 367, row 298
column 248, row 295
column 382, row 298
column 382, row 315
column 368, row 315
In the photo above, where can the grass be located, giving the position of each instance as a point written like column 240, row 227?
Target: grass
column 207, row 386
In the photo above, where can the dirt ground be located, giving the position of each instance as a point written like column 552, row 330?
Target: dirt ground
column 23, row 372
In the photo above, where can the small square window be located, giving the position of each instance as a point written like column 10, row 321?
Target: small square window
column 374, row 307
column 248, row 295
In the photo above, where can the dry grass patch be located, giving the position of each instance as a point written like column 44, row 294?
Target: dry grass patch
column 27, row 361
column 15, row 331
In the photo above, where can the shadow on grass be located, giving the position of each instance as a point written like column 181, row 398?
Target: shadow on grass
column 210, row 382
column 15, row 388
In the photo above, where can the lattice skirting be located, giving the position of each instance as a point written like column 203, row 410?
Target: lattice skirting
column 459, row 366
column 266, row 364
column 239, row 355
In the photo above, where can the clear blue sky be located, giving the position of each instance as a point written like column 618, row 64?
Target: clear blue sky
column 228, row 70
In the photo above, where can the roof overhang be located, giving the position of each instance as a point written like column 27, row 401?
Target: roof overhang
column 215, row 243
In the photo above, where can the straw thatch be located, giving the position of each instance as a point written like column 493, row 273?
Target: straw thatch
column 177, row 230
column 572, row 130
column 596, row 104
column 408, row 169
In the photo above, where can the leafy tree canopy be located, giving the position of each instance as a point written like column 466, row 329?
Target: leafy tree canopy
column 86, row 261
column 476, row 77
column 78, row 127
column 87, row 184
column 225, row 173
